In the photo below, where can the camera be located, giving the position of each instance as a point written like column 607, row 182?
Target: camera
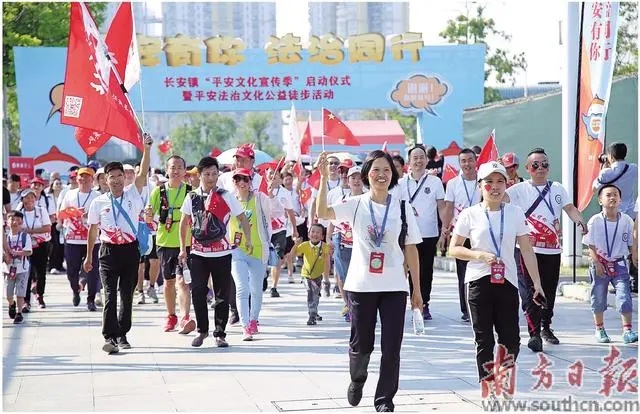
column 602, row 159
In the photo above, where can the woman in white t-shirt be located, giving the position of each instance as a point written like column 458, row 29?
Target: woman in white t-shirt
column 491, row 276
column 376, row 278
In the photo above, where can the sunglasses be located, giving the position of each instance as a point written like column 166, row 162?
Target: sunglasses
column 238, row 178
column 535, row 165
column 334, row 163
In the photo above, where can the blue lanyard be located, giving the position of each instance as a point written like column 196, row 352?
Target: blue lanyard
column 606, row 234
column 548, row 203
column 379, row 235
column 175, row 197
column 498, row 246
column 85, row 200
column 473, row 195
column 413, row 197
column 24, row 213
column 113, row 208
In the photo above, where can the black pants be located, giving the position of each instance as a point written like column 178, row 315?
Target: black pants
column 461, row 270
column 38, row 270
column 219, row 268
column 493, row 306
column 118, row 266
column 364, row 310
column 233, row 306
column 56, row 250
column 549, row 268
column 75, row 255
column 427, row 251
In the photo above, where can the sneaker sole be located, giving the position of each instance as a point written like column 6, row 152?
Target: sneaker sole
column 188, row 327
column 110, row 348
column 122, row 346
column 247, row 338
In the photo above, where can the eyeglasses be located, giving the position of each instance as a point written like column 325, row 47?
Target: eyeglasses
column 535, row 165
column 238, row 178
column 334, row 163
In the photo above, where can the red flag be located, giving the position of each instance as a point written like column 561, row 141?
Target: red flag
column 305, row 195
column 333, row 127
column 297, row 169
column 165, row 146
column 90, row 141
column 215, row 152
column 314, row 179
column 305, row 142
column 489, row 151
column 264, row 189
column 123, row 46
column 92, row 96
column 449, row 172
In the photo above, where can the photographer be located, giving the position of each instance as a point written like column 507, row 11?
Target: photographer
column 615, row 170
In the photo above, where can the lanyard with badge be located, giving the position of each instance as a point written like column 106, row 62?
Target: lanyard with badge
column 376, row 259
column 415, row 194
column 610, row 266
column 169, row 221
column 473, row 195
column 497, row 268
column 13, row 269
column 85, row 200
column 117, row 236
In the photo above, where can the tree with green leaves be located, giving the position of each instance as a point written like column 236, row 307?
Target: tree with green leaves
column 201, row 133
column 31, row 24
column 407, row 122
column 627, row 46
column 254, row 130
column 501, row 64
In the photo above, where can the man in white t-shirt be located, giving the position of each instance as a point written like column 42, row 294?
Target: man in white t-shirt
column 291, row 230
column 426, row 194
column 76, row 231
column 115, row 215
column 462, row 192
column 245, row 158
column 543, row 202
column 207, row 211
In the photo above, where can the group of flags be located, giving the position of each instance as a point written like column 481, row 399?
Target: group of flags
column 98, row 75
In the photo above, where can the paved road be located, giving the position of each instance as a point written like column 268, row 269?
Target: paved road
column 54, row 361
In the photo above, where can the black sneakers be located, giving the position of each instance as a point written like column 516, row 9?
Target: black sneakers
column 234, row 319
column 123, row 343
column 535, row 344
column 12, row 310
column 274, row 293
column 18, row 319
column 110, row 346
column 76, row 298
column 354, row 393
column 312, row 321
column 198, row 340
column 547, row 335
column 91, row 306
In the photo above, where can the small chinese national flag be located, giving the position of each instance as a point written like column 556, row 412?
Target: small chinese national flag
column 165, row 146
column 314, row 179
column 449, row 172
column 264, row 189
column 305, row 142
column 334, row 128
column 489, row 151
column 305, row 195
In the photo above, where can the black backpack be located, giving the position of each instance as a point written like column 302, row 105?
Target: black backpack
column 164, row 202
column 206, row 227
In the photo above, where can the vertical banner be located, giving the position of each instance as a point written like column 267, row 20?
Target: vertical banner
column 23, row 166
column 599, row 27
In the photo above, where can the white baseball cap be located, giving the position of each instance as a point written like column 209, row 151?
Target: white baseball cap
column 99, row 171
column 491, row 167
column 354, row 170
column 128, row 167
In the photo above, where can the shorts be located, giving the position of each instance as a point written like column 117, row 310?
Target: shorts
column 341, row 257
column 153, row 254
column 169, row 265
column 599, row 289
column 288, row 245
column 279, row 241
column 16, row 287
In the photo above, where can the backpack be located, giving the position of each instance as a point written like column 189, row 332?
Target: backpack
column 206, row 227
column 164, row 202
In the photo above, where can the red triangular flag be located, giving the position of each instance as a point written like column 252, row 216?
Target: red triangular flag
column 90, row 141
column 305, row 195
column 336, row 129
column 305, row 142
column 264, row 186
column 92, row 96
column 297, row 169
column 489, row 151
column 215, row 152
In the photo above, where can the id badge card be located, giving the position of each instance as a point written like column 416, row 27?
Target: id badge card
column 497, row 273
column 376, row 263
column 169, row 221
column 12, row 272
column 611, row 268
column 237, row 238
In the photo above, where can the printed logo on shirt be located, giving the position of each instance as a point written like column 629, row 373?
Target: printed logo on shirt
column 427, row 190
column 625, row 237
column 558, row 199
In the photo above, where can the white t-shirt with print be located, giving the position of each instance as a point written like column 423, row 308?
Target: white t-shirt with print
column 278, row 216
column 33, row 219
column 392, row 278
column 42, row 203
column 620, row 245
column 221, row 247
column 295, row 204
column 14, row 242
column 331, row 184
column 285, row 199
column 114, row 227
column 462, row 193
column 425, row 201
column 76, row 230
column 545, row 238
column 473, row 224
column 336, row 196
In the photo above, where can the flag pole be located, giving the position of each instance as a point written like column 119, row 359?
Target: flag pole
column 322, row 136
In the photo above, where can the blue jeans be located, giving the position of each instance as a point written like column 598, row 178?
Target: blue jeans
column 248, row 274
column 341, row 257
column 620, row 281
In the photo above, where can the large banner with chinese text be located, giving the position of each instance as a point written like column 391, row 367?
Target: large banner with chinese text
column 181, row 74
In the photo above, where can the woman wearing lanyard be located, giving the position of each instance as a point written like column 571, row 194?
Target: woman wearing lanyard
column 376, row 279
column 491, row 276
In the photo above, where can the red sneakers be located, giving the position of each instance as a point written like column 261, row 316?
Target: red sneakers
column 187, row 325
column 172, row 321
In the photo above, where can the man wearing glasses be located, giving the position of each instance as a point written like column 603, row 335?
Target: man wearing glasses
column 543, row 202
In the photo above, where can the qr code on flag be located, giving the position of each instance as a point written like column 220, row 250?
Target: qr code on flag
column 72, row 106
